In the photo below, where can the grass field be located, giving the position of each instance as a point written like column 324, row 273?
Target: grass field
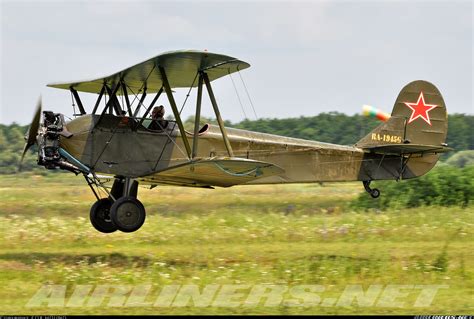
column 253, row 236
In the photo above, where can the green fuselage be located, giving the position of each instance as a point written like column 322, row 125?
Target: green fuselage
column 112, row 146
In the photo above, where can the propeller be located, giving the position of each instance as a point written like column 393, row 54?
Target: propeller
column 30, row 137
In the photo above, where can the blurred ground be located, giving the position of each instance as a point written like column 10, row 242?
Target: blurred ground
column 250, row 235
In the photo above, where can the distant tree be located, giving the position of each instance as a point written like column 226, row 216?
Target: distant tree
column 460, row 132
column 462, row 159
column 3, row 141
column 330, row 127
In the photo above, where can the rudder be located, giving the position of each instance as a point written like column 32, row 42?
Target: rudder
column 416, row 130
column 418, row 117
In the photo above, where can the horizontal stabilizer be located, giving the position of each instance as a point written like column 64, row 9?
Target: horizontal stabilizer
column 222, row 172
column 400, row 149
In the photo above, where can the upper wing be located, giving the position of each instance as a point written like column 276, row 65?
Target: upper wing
column 213, row 172
column 181, row 68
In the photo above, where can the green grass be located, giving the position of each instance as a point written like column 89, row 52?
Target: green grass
column 283, row 235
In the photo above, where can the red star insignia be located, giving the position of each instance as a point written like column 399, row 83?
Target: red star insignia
column 420, row 109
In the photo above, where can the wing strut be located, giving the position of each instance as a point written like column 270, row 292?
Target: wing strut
column 113, row 103
column 151, row 106
column 142, row 99
column 98, row 99
column 177, row 116
column 197, row 117
column 78, row 101
column 218, row 114
column 127, row 101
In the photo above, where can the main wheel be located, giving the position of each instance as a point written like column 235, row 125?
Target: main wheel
column 128, row 214
column 375, row 193
column 100, row 216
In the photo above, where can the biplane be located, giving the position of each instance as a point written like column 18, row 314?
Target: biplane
column 111, row 139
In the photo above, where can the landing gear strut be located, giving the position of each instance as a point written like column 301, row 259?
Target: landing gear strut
column 121, row 210
column 374, row 192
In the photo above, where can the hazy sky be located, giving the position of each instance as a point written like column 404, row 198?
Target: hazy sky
column 307, row 57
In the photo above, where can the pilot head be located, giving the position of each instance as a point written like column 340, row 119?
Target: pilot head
column 158, row 112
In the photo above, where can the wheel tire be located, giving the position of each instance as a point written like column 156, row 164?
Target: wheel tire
column 100, row 216
column 375, row 193
column 128, row 214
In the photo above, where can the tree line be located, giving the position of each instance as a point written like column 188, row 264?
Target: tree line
column 330, row 127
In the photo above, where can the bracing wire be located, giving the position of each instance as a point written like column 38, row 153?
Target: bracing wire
column 105, row 98
column 248, row 95
column 115, row 129
column 139, row 90
column 73, row 105
column 238, row 96
column 135, row 95
column 123, row 103
column 189, row 91
column 169, row 137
